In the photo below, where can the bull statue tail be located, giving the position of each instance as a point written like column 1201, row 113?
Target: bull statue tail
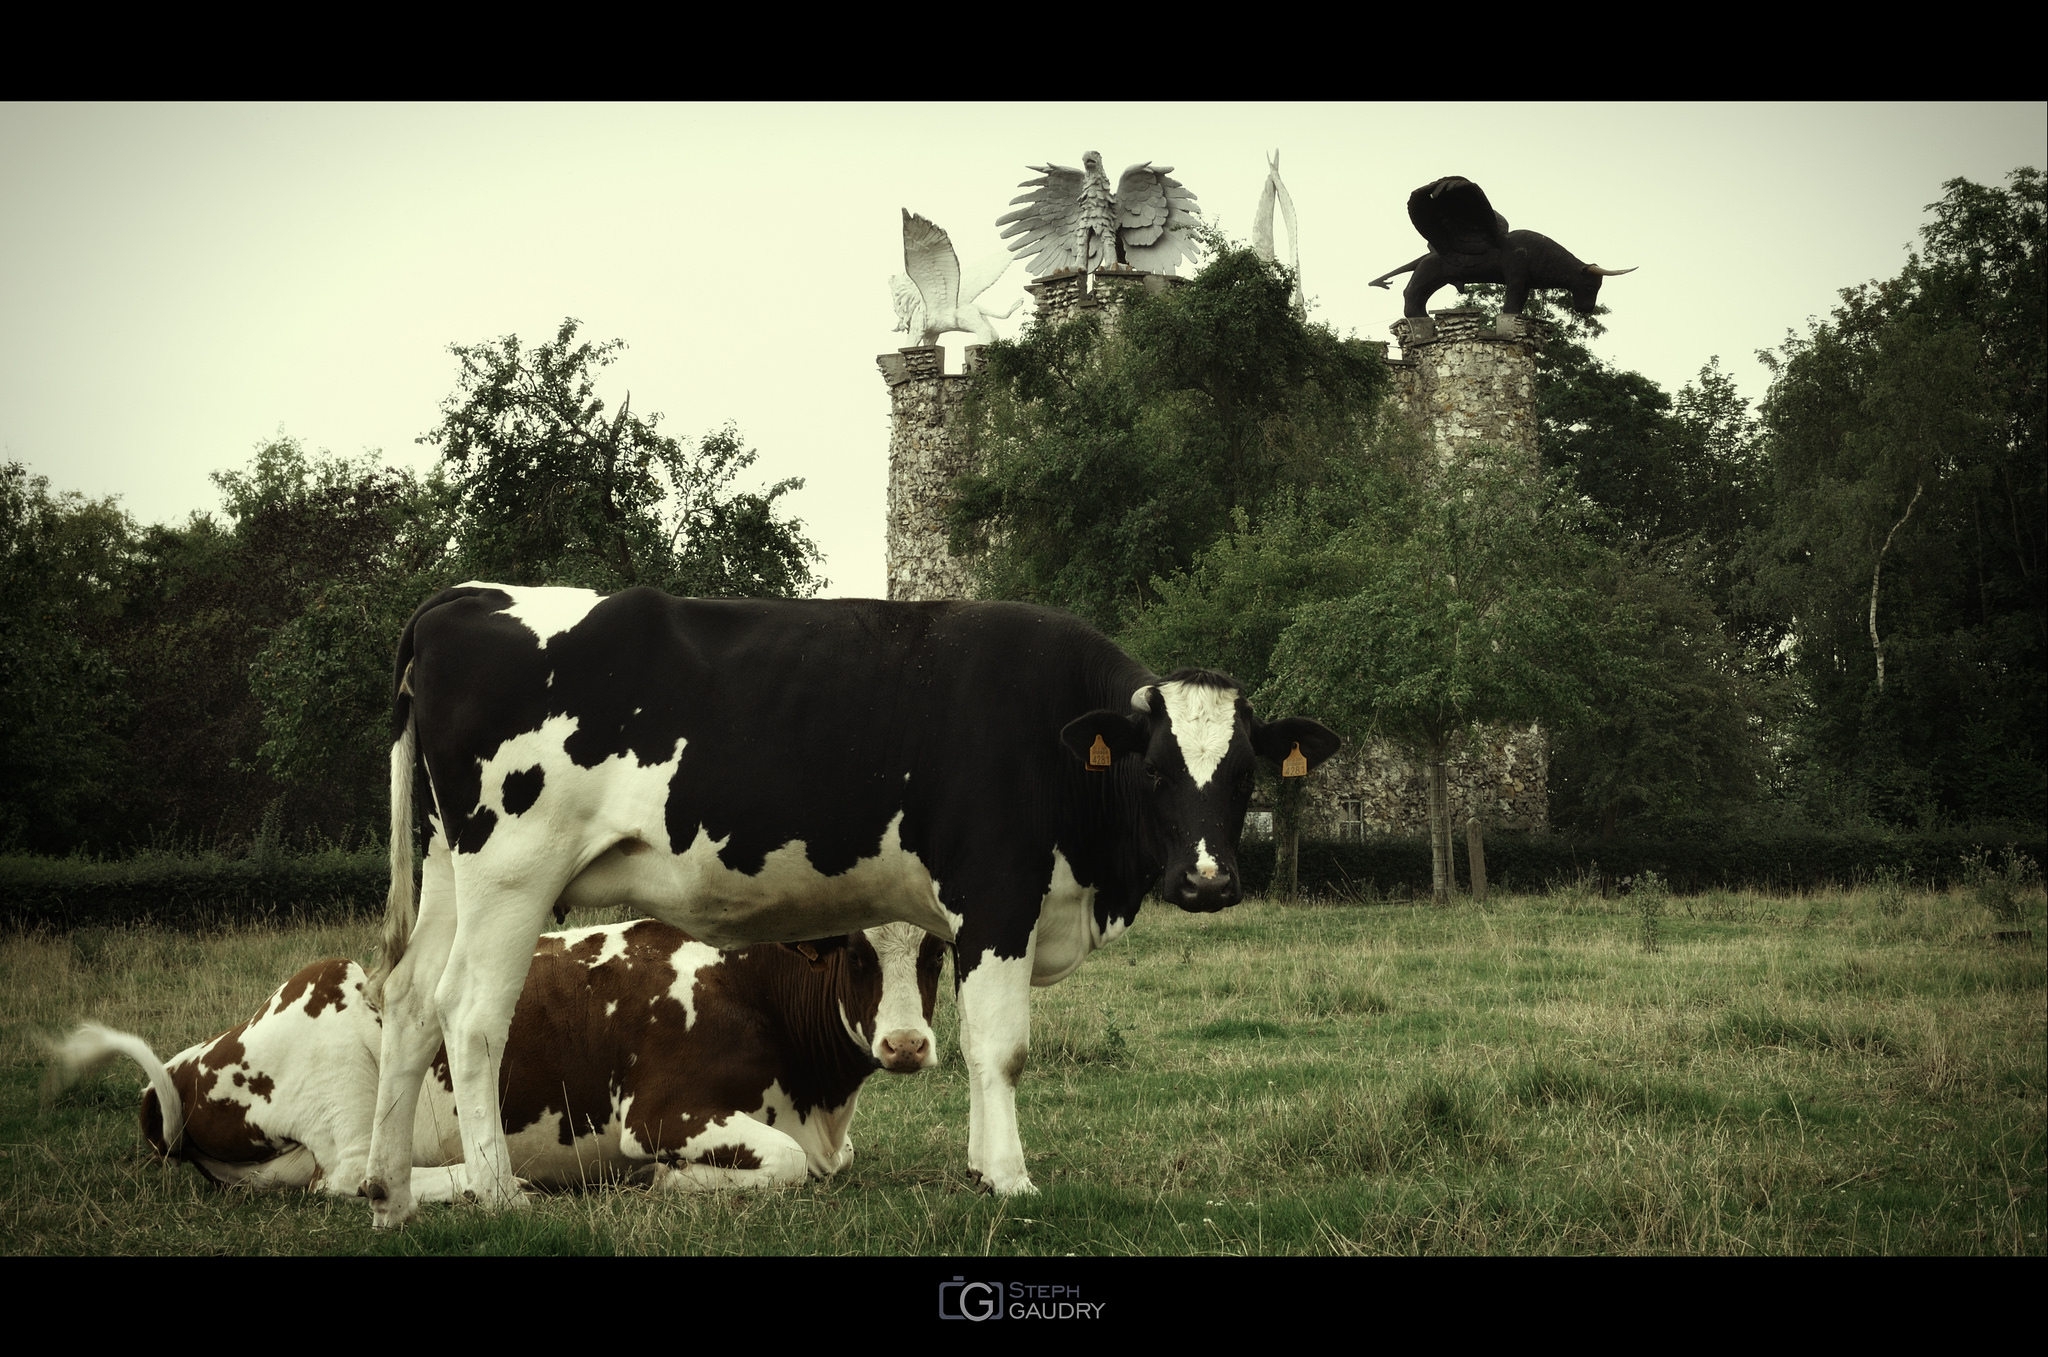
column 91, row 1045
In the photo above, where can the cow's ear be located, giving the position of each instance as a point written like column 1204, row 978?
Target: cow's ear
column 1276, row 740
column 1119, row 732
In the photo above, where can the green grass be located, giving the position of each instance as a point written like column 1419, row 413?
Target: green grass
column 1844, row 1072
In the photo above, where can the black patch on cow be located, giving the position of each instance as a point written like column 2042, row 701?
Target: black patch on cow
column 476, row 830
column 522, row 790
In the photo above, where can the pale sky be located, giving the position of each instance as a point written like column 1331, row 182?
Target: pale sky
column 180, row 282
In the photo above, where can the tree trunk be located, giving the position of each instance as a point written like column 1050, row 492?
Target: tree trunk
column 1876, row 647
column 1443, row 875
column 1475, row 853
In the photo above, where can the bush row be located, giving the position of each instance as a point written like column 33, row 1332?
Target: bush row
column 204, row 889
column 1521, row 862
column 195, row 891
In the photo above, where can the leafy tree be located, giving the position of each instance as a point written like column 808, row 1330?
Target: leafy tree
column 322, row 679
column 1679, row 736
column 62, row 709
column 1110, row 455
column 1905, row 437
column 554, row 492
column 1473, row 610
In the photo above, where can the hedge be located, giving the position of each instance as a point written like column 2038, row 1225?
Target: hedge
column 196, row 891
column 1770, row 862
column 209, row 889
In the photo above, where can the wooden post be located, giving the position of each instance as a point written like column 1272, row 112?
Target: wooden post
column 1475, row 854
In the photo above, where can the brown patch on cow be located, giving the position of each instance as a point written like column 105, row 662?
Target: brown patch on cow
column 1013, row 1068
column 440, row 1068
column 324, row 985
column 215, row 1128
column 730, row 1157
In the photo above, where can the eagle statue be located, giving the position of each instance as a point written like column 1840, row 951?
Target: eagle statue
column 1071, row 220
column 935, row 299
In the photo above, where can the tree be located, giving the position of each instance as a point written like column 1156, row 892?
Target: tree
column 1905, row 438
column 1411, row 601
column 554, row 492
column 63, row 713
column 1110, row 456
column 1679, row 735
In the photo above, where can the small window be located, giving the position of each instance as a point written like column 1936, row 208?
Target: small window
column 1258, row 824
column 1351, row 818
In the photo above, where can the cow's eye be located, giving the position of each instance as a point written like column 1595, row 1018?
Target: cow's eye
column 1152, row 773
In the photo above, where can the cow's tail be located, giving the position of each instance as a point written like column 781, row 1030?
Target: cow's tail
column 398, row 903
column 92, row 1044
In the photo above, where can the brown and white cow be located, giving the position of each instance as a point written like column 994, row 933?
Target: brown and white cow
column 635, row 1051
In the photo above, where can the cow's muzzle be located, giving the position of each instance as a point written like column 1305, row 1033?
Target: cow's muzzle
column 906, row 1051
column 1201, row 892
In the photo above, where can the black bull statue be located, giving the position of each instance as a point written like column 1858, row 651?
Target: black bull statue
column 1469, row 242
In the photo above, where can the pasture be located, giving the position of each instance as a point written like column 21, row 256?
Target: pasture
column 1846, row 1072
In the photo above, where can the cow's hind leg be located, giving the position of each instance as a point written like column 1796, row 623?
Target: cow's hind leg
column 494, row 941
column 412, row 1033
column 733, row 1153
column 995, row 1039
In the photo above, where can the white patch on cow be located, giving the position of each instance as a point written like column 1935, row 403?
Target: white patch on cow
column 789, row 899
column 1067, row 931
column 611, row 1008
column 1204, row 722
column 689, row 959
column 612, row 947
column 851, row 1028
column 545, row 610
column 1141, row 700
column 1206, row 865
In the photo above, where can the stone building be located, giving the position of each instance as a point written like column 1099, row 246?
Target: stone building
column 1458, row 379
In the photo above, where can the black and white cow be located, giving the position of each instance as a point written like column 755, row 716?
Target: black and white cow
column 759, row 771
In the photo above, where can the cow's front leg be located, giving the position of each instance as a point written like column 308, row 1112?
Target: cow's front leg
column 995, row 1038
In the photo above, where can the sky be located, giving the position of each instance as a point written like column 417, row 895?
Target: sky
column 179, row 283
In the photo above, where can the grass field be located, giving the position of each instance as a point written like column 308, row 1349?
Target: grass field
column 1850, row 1072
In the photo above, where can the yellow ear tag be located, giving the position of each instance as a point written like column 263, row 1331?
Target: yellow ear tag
column 1295, row 764
column 1098, row 756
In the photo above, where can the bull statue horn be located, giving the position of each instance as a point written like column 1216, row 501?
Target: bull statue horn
column 1610, row 273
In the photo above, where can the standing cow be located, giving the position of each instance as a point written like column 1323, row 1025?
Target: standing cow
column 635, row 1053
column 755, row 771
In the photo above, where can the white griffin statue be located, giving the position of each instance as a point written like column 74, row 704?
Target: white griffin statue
column 1071, row 220
column 935, row 299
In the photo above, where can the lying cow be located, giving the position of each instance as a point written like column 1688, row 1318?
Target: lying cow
column 635, row 1052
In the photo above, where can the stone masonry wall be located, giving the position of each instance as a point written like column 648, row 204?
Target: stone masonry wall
column 1465, row 383
column 924, row 406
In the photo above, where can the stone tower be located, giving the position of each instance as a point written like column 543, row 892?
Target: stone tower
column 925, row 453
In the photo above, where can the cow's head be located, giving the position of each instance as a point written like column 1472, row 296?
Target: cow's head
column 906, row 989
column 1192, row 742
